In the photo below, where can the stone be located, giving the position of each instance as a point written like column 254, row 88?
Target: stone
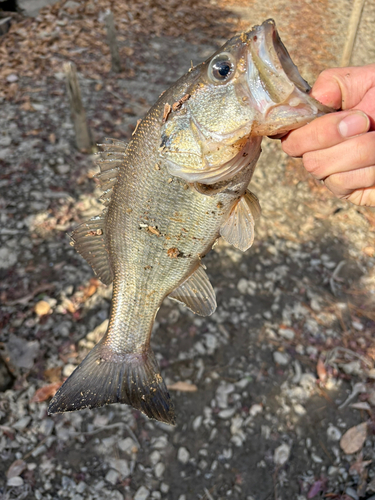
column 142, row 493
column 281, row 358
column 7, row 257
column 15, row 481
column 333, row 433
column 159, row 470
column 282, row 454
column 228, row 413
column 128, row 445
column 112, row 476
column 121, row 466
column 183, row 455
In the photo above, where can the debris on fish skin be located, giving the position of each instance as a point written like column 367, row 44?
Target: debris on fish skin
column 169, row 195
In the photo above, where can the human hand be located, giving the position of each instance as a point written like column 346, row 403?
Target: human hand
column 339, row 148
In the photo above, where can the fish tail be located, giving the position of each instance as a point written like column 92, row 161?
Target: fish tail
column 106, row 377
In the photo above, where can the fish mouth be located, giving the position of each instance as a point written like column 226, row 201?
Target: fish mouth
column 278, row 91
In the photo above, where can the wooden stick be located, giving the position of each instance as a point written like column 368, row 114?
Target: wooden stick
column 83, row 134
column 352, row 32
column 112, row 42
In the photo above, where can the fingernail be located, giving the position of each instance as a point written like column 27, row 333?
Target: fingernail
column 354, row 124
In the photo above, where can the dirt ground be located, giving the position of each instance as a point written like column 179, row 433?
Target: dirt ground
column 266, row 388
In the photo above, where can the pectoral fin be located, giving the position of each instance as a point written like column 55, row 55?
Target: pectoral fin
column 196, row 293
column 239, row 228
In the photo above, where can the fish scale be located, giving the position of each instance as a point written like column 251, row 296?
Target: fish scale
column 179, row 185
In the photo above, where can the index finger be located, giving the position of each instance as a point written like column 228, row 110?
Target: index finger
column 325, row 132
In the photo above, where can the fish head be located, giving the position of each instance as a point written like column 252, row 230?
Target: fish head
column 248, row 89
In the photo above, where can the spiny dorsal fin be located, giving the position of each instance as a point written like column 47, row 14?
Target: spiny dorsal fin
column 239, row 228
column 89, row 241
column 196, row 293
column 109, row 162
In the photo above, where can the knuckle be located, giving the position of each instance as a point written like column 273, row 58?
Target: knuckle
column 313, row 165
column 290, row 145
column 362, row 153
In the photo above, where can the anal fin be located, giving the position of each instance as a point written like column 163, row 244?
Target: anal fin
column 239, row 228
column 89, row 241
column 196, row 293
column 106, row 377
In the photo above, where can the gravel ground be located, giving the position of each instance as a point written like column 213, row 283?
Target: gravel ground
column 267, row 388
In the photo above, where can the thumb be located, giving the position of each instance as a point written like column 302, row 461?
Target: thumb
column 327, row 90
column 344, row 87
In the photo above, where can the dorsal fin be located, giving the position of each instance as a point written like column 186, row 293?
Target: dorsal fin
column 109, row 161
column 196, row 293
column 89, row 238
column 89, row 241
column 239, row 228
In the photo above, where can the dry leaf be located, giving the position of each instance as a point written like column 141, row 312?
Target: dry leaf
column 16, row 468
column 42, row 307
column 321, row 371
column 53, row 374
column 183, row 386
column 354, row 438
column 46, row 392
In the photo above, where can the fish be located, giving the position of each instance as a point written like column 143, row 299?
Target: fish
column 179, row 185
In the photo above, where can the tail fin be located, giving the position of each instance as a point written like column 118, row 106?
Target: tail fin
column 106, row 377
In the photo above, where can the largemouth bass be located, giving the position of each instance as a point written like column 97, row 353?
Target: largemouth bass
column 179, row 185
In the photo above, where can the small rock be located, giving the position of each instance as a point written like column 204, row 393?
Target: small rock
column 159, row 443
column 155, row 457
column 183, row 455
column 159, row 470
column 63, row 169
column 255, row 410
column 333, row 433
column 299, row 409
column 121, row 466
column 7, row 257
column 228, row 413
column 287, row 333
column 112, row 476
column 197, row 422
column 352, row 493
column 242, row 285
column 68, row 369
column 127, row 445
column 164, row 488
column 281, row 454
column 332, row 471
column 352, row 368
column 142, row 493
column 12, row 78
column 15, row 481
column 281, row 358
column 21, row 424
column 70, row 4
column 315, row 458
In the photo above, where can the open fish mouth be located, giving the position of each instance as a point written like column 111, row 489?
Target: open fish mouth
column 278, row 91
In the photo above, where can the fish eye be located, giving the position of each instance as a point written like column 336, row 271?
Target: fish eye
column 222, row 68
